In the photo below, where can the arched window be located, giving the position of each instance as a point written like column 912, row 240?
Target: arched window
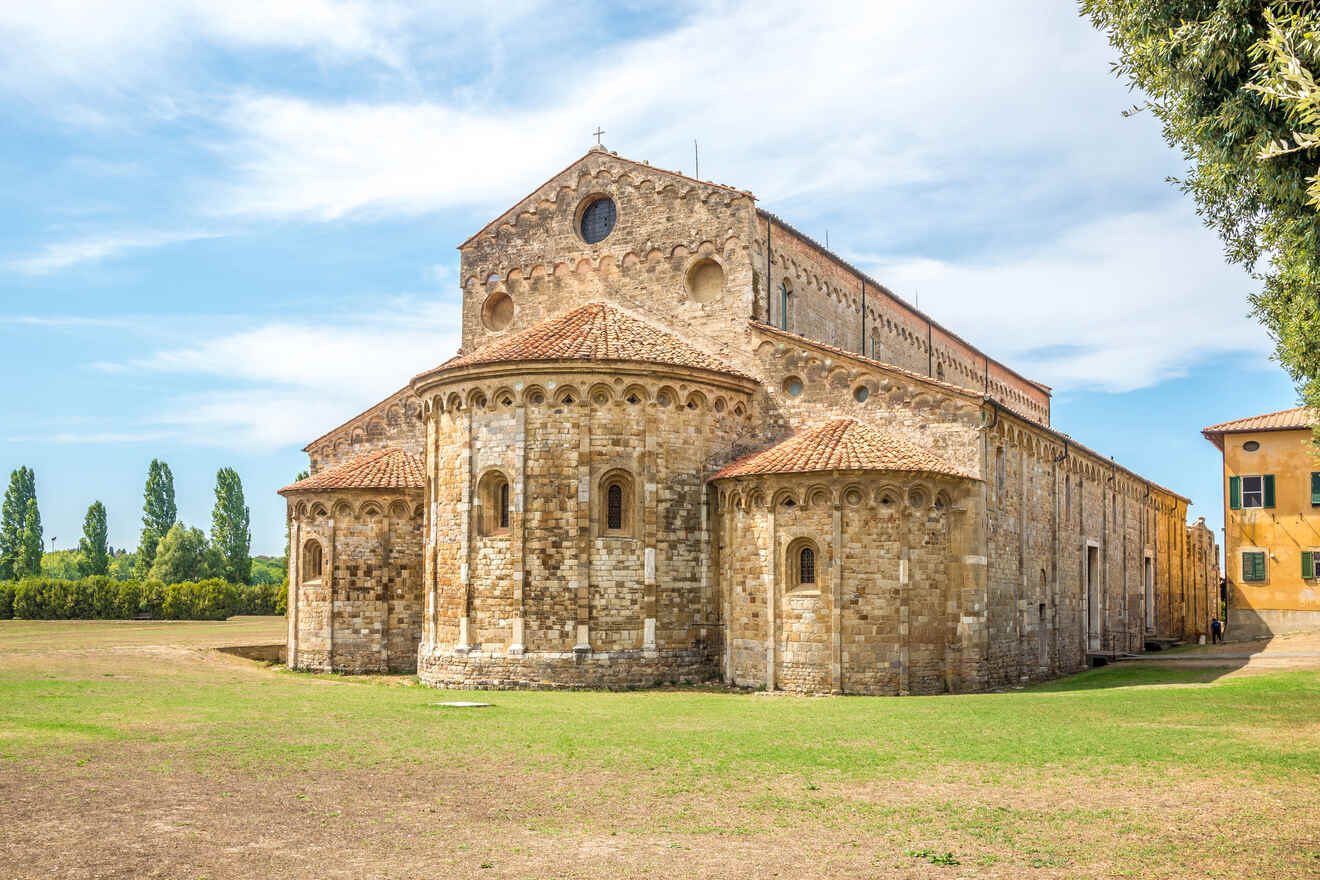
column 616, row 510
column 614, row 507
column 785, row 300
column 311, row 561
column 1001, row 477
column 493, row 504
column 876, row 351
column 801, row 565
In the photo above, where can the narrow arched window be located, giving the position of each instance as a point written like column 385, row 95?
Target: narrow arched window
column 504, row 505
column 492, row 514
column 311, row 567
column 785, row 297
column 614, row 507
column 806, row 566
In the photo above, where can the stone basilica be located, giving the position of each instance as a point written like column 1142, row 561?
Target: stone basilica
column 683, row 442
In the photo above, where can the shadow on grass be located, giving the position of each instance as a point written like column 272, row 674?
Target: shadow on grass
column 1136, row 673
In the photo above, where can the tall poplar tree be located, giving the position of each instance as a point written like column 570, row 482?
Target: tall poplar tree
column 13, row 518
column 159, row 514
column 30, row 548
column 92, row 546
column 231, row 534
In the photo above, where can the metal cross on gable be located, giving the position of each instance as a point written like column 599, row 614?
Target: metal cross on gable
column 598, row 132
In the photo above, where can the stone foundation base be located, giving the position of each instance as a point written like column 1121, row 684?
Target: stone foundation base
column 1248, row 623
column 569, row 670
column 351, row 664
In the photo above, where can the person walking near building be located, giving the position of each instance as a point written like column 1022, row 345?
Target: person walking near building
column 1216, row 631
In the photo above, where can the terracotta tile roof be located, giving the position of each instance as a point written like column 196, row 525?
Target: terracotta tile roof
column 375, row 409
column 595, row 332
column 1283, row 420
column 388, row 468
column 838, row 445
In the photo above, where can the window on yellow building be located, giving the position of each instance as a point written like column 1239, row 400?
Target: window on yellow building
column 1253, row 566
column 1315, row 488
column 1255, row 491
column 1310, row 564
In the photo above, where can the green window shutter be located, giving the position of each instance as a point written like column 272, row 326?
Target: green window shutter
column 1260, row 566
column 1248, row 566
column 1235, row 493
column 1308, row 566
column 1268, row 480
column 1253, row 567
column 1315, row 488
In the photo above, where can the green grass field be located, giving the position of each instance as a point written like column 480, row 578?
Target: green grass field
column 133, row 749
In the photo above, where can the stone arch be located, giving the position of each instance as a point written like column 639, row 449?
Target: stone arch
column 617, row 503
column 494, row 502
column 312, row 566
column 503, row 398
column 785, row 497
column 567, row 396
column 635, row 394
column 399, row 510
column 601, row 394
column 666, row 395
column 533, row 395
column 802, row 565
column 696, row 401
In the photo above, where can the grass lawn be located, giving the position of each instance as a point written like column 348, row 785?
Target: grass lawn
column 134, row 750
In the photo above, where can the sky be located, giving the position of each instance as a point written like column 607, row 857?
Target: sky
column 227, row 227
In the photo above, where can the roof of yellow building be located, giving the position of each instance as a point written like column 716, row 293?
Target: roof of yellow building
column 388, row 468
column 839, row 445
column 595, row 332
column 1295, row 419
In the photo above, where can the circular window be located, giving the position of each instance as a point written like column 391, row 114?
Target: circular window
column 860, row 393
column 497, row 311
column 1250, row 446
column 852, row 497
column 705, row 280
column 597, row 219
column 792, row 386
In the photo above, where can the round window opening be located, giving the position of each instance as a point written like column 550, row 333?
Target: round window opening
column 1250, row 446
column 497, row 311
column 597, row 219
column 792, row 386
column 860, row 393
column 705, row 280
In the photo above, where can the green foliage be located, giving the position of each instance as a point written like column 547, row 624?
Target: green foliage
column 13, row 516
column 184, row 555
column 231, row 534
column 269, row 569
column 121, row 566
column 92, row 547
column 31, row 544
column 104, row 598
column 1231, row 84
column 159, row 513
column 63, row 564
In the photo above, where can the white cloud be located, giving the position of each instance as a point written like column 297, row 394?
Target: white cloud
column 288, row 382
column 65, row 254
column 1115, row 304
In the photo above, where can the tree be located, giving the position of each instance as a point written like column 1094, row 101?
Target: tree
column 95, row 553
column 31, row 545
column 231, row 534
column 1231, row 84
column 159, row 514
column 13, row 514
column 183, row 555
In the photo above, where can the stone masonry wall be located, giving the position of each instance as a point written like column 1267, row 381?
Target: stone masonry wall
column 556, row 581
column 395, row 421
column 826, row 305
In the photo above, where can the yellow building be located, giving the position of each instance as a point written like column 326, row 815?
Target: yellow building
column 1272, row 522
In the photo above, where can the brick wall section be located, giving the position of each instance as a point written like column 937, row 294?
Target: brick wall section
column 364, row 613
column 395, row 421
column 556, row 574
column 665, row 223
column 826, row 304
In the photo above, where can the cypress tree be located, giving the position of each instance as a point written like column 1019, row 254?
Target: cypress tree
column 93, row 547
column 159, row 514
column 231, row 534
column 29, row 553
column 13, row 519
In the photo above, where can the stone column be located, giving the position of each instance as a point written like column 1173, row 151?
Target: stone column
column 295, row 578
column 650, row 521
column 771, row 567
column 836, row 599
column 582, row 583
column 328, row 579
column 517, row 523
column 466, row 507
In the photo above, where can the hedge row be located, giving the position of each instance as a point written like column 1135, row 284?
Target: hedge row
column 107, row 599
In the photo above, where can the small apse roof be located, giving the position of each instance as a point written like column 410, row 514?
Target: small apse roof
column 839, row 445
column 389, row 468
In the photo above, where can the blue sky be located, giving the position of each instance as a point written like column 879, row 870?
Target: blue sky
column 224, row 228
